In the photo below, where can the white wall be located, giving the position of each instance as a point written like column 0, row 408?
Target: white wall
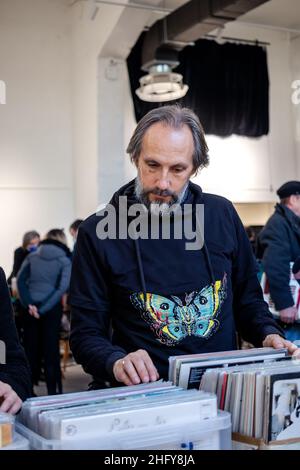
column 242, row 169
column 295, row 69
column 88, row 39
column 65, row 126
column 115, row 127
column 254, row 213
column 35, row 122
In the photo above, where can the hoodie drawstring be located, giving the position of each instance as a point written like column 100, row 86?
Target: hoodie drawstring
column 141, row 271
column 140, row 263
column 142, row 274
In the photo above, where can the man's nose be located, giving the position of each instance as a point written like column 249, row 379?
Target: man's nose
column 163, row 182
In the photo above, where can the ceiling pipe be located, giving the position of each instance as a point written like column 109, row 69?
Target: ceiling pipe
column 188, row 23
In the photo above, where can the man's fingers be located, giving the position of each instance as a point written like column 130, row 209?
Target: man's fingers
column 120, row 373
column 274, row 341
column 131, row 371
column 292, row 348
column 123, row 378
column 135, row 368
column 152, row 371
column 16, row 406
column 279, row 343
column 144, row 366
column 8, row 402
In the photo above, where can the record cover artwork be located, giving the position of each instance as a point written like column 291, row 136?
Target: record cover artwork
column 284, row 407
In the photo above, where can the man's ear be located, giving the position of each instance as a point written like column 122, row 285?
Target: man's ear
column 293, row 199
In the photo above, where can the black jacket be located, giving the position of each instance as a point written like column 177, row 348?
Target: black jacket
column 280, row 241
column 15, row 371
column 162, row 297
column 19, row 256
column 45, row 276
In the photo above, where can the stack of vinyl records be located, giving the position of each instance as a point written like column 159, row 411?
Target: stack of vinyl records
column 154, row 409
column 186, row 370
column 263, row 399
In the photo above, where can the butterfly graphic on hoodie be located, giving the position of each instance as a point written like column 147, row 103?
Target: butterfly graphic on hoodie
column 172, row 319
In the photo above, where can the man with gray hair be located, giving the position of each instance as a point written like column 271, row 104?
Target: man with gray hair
column 162, row 295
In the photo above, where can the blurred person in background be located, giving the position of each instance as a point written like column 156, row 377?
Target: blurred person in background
column 30, row 243
column 252, row 237
column 15, row 384
column 74, row 227
column 280, row 241
column 42, row 281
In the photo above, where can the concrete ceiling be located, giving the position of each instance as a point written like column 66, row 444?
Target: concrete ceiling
column 276, row 13
column 132, row 22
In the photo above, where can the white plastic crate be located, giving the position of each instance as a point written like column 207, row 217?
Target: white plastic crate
column 19, row 443
column 209, row 434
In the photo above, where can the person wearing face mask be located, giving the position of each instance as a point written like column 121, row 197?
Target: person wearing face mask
column 29, row 245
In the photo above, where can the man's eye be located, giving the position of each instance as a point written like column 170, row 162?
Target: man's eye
column 178, row 170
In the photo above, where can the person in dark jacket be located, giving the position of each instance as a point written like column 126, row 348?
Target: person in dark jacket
column 280, row 241
column 42, row 281
column 73, row 229
column 29, row 244
column 15, row 384
column 163, row 296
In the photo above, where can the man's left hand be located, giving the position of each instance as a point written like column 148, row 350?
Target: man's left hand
column 277, row 342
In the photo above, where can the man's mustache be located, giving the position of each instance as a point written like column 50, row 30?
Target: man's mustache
column 159, row 192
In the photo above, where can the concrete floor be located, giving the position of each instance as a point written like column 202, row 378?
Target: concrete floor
column 74, row 380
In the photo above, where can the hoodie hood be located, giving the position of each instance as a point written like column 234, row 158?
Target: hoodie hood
column 53, row 249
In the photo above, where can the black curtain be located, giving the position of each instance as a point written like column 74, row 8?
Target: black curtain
column 228, row 86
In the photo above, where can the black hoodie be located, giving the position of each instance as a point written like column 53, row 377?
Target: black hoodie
column 161, row 297
column 16, row 371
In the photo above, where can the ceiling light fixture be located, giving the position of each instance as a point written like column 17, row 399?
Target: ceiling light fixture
column 161, row 85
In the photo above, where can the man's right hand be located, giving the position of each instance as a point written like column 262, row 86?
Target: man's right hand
column 10, row 402
column 288, row 315
column 135, row 368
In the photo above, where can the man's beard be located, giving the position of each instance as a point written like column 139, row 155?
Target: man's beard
column 157, row 207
